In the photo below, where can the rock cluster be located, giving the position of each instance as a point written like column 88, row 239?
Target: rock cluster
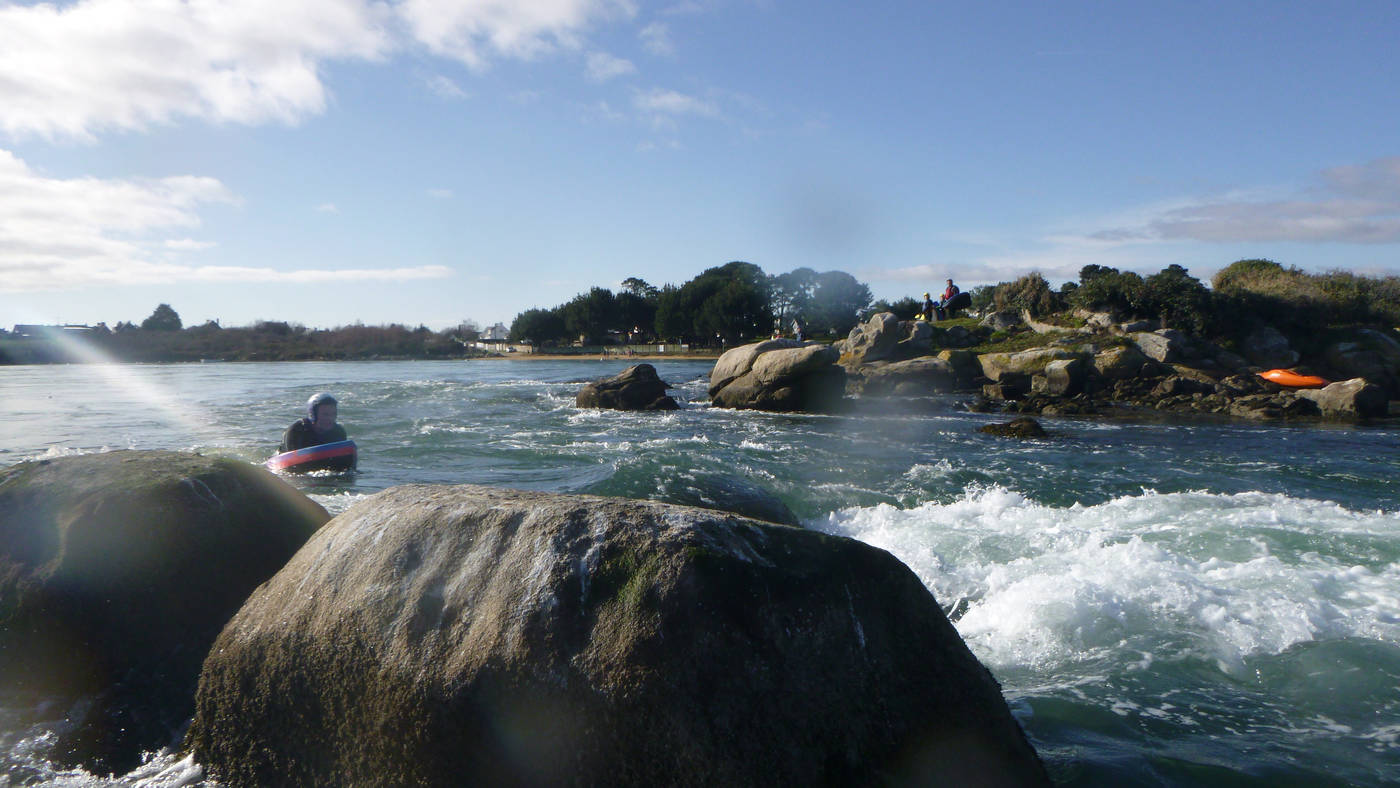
column 635, row 388
column 431, row 635
column 1110, row 367
column 117, row 571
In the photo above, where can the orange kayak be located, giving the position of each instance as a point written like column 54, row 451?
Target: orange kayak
column 1285, row 377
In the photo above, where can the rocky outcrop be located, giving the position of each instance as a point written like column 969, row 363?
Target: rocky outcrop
column 1002, row 321
column 779, row 375
column 1023, row 427
column 996, row 366
column 912, row 378
column 117, row 571
column 1266, row 347
column 1061, row 378
column 872, row 340
column 1369, row 354
column 635, row 388
column 431, row 635
column 1348, row 399
column 1164, row 346
column 1120, row 363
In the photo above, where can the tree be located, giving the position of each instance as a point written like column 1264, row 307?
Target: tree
column 791, row 293
column 636, row 314
column 836, row 303
column 537, row 326
column 1178, row 299
column 639, row 288
column 163, row 319
column 591, row 315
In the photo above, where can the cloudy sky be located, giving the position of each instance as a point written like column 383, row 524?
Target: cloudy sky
column 430, row 161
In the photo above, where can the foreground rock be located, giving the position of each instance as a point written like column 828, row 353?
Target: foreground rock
column 118, row 570
column 635, row 388
column 442, row 635
column 781, row 375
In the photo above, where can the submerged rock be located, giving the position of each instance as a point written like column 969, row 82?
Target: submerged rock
column 436, row 635
column 635, row 388
column 1023, row 427
column 726, row 493
column 117, row 571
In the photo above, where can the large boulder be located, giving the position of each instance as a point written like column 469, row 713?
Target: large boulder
column 955, row 337
column 1164, row 345
column 1268, row 348
column 440, row 635
column 635, row 388
column 781, row 377
column 912, row 378
column 117, row 571
column 1002, row 320
column 915, row 339
column 737, row 361
column 1120, row 363
column 1370, row 354
column 996, row 366
column 1061, row 378
column 1348, row 399
column 873, row 340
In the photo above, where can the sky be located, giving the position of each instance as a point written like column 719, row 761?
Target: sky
column 429, row 162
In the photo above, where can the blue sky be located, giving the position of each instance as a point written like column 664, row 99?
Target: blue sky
column 431, row 161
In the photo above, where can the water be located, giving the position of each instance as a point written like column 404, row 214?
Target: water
column 1163, row 603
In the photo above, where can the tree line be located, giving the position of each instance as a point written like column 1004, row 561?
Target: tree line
column 163, row 337
column 726, row 304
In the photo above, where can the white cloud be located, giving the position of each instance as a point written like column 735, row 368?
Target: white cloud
column 441, row 194
column 58, row 234
column 188, row 245
column 327, row 207
column 656, row 39
column 669, row 102
column 1351, row 204
column 603, row 67
column 444, row 87
column 473, row 30
column 129, row 64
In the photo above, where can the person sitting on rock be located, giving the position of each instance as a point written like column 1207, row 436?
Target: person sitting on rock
column 926, row 312
column 317, row 428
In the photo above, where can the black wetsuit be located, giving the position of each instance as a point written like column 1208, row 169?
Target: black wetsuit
column 301, row 435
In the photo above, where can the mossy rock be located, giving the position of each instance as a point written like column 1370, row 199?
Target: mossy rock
column 117, row 571
column 435, row 635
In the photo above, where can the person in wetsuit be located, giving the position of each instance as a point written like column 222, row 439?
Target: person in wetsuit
column 317, row 428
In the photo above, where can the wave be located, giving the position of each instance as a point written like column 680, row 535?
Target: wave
column 1223, row 577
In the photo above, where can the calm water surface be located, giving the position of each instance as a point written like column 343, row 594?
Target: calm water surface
column 1164, row 604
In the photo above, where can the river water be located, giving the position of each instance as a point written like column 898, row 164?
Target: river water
column 1163, row 603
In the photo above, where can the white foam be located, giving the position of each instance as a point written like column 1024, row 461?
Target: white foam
column 1143, row 577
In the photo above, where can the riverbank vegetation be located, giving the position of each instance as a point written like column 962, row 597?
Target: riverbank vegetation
column 738, row 302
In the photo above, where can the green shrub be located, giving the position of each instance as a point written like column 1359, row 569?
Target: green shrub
column 1103, row 289
column 1030, row 293
column 1177, row 299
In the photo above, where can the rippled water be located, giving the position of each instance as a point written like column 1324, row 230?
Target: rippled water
column 1163, row 603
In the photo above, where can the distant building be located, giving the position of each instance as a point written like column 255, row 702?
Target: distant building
column 496, row 333
column 26, row 331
